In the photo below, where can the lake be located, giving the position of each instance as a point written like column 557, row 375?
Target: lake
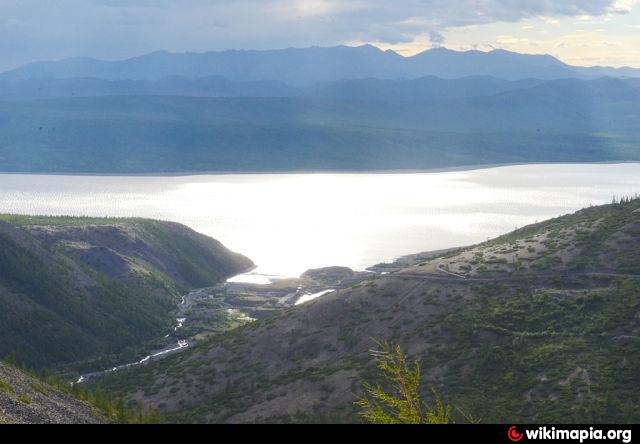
column 288, row 223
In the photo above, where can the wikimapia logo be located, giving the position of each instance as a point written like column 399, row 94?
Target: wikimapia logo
column 514, row 435
column 580, row 435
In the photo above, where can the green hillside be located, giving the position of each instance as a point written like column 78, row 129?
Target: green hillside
column 79, row 290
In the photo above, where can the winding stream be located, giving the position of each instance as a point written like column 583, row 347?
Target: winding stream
column 178, row 346
column 181, row 319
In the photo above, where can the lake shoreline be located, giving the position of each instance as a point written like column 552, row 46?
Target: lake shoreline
column 460, row 168
column 291, row 223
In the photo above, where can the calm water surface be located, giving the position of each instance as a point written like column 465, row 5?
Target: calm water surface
column 288, row 223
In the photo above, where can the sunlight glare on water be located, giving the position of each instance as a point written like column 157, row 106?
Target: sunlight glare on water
column 288, row 223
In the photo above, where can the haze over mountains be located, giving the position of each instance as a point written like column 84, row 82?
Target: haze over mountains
column 312, row 65
column 340, row 108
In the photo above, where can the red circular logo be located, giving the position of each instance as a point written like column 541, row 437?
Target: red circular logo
column 514, row 435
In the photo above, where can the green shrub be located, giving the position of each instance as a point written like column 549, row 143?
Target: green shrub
column 40, row 389
column 402, row 404
column 24, row 399
column 5, row 387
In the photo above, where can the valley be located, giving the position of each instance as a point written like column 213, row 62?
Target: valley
column 555, row 303
column 404, row 233
column 204, row 312
column 80, row 292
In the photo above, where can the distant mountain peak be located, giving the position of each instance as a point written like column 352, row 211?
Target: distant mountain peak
column 368, row 46
column 305, row 66
column 435, row 50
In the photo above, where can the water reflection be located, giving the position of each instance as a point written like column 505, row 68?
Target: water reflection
column 288, row 223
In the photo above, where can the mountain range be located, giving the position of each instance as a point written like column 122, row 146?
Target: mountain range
column 423, row 89
column 317, row 64
column 314, row 109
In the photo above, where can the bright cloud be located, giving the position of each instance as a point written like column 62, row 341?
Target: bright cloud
column 47, row 29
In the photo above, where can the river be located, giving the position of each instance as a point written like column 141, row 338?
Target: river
column 179, row 345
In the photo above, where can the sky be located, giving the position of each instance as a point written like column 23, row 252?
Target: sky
column 580, row 32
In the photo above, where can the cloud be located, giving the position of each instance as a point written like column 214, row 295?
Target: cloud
column 409, row 17
column 623, row 6
column 436, row 38
column 45, row 29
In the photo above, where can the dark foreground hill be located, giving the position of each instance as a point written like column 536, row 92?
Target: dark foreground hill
column 27, row 400
column 75, row 289
column 540, row 325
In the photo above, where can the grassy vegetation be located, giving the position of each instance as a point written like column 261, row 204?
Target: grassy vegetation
column 85, row 322
column 557, row 354
column 116, row 410
column 40, row 389
column 6, row 387
column 62, row 221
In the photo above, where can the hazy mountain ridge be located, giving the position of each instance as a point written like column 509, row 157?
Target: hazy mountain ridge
column 313, row 65
column 314, row 109
column 213, row 86
column 75, row 289
column 543, row 319
column 423, row 89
